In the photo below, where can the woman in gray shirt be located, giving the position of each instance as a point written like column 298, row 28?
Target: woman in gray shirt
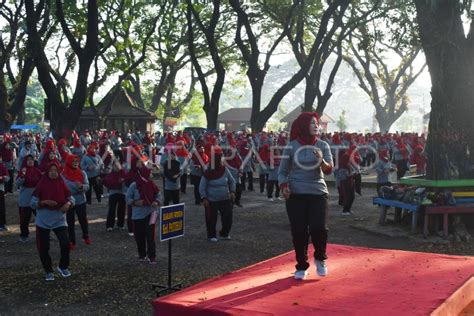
column 301, row 177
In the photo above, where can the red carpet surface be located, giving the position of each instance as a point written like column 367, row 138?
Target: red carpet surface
column 361, row 281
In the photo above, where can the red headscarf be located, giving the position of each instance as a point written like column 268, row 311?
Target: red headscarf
column 147, row 188
column 344, row 160
column 112, row 180
column 300, row 129
column 46, row 161
column 219, row 169
column 52, row 189
column 132, row 174
column 235, row 162
column 336, row 139
column 32, row 174
column 264, row 153
column 62, row 142
column 181, row 151
column 354, row 154
column 91, row 150
column 230, row 139
column 202, row 155
column 384, row 155
column 73, row 174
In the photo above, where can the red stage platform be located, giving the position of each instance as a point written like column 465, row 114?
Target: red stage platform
column 361, row 281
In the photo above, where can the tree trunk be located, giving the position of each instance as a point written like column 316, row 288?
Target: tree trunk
column 322, row 103
column 310, row 94
column 450, row 59
column 20, row 120
column 257, row 86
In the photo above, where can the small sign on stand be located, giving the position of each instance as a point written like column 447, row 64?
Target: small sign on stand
column 171, row 227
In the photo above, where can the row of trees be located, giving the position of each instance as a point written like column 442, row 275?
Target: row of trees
column 128, row 40
column 143, row 46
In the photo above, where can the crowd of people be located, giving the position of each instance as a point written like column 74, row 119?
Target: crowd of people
column 56, row 180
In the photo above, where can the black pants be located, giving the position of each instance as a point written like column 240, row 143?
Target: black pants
column 3, row 219
column 183, row 182
column 263, row 180
column 80, row 210
column 225, row 209
column 247, row 175
column 129, row 219
column 116, row 206
column 195, row 180
column 348, row 194
column 9, row 184
column 25, row 217
column 145, row 237
column 171, row 196
column 42, row 243
column 238, row 193
column 98, row 189
column 370, row 159
column 270, row 185
column 307, row 214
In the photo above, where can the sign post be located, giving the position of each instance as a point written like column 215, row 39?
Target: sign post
column 171, row 226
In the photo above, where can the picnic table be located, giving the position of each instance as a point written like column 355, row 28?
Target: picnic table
column 462, row 190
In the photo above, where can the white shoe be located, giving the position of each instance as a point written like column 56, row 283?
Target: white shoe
column 270, row 200
column 212, row 239
column 300, row 274
column 321, row 268
column 131, row 234
column 109, row 229
column 346, row 213
column 280, row 198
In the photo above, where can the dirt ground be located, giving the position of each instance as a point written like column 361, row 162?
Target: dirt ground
column 108, row 279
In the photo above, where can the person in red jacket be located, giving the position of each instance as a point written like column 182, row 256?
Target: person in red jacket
column 418, row 158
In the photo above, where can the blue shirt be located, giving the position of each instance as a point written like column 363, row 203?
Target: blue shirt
column 139, row 212
column 49, row 219
column 300, row 168
column 380, row 166
column 92, row 165
column 217, row 189
column 24, row 199
column 78, row 194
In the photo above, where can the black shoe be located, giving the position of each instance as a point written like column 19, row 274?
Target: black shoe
column 238, row 204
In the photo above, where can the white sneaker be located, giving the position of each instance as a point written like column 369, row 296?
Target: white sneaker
column 226, row 237
column 280, row 198
column 212, row 239
column 109, row 229
column 270, row 200
column 346, row 213
column 300, row 274
column 131, row 234
column 321, row 268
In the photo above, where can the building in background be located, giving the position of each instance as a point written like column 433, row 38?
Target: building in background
column 324, row 121
column 124, row 115
column 235, row 119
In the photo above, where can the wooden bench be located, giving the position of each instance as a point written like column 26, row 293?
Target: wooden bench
column 386, row 204
column 445, row 211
